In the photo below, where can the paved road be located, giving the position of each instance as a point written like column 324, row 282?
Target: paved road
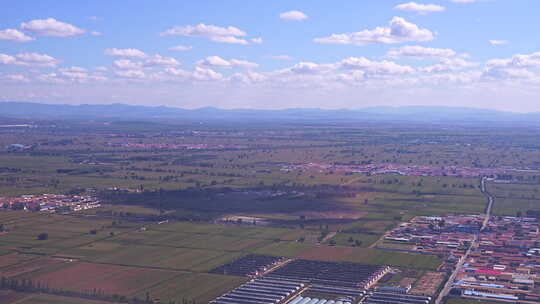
column 490, row 202
column 444, row 292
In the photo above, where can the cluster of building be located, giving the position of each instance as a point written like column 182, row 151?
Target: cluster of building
column 18, row 147
column 505, row 263
column 408, row 170
column 50, row 202
column 171, row 146
column 445, row 236
column 498, row 262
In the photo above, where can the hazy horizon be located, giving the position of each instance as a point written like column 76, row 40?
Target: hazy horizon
column 321, row 108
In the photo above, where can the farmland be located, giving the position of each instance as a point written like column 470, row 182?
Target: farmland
column 134, row 261
column 179, row 200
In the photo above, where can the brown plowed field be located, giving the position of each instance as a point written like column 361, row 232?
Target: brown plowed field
column 109, row 279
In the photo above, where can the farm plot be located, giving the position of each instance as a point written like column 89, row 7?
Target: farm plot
column 35, row 264
column 8, row 296
column 326, row 253
column 13, row 258
column 52, row 299
column 148, row 256
column 399, row 259
column 513, row 206
column 428, row 283
column 108, row 279
column 286, row 249
column 247, row 265
column 350, row 254
column 354, row 239
column 226, row 230
column 200, row 287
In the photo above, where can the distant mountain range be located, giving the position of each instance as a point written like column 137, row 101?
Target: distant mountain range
column 28, row 110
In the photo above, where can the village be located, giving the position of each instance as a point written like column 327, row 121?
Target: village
column 499, row 262
column 171, row 146
column 50, row 203
column 505, row 264
column 406, row 170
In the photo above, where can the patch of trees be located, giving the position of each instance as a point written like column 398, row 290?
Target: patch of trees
column 205, row 203
column 30, row 286
column 335, row 194
column 533, row 213
column 80, row 171
column 9, row 170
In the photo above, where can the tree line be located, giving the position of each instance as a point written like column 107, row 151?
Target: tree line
column 30, row 286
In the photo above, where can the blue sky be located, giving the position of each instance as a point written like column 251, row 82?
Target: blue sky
column 273, row 54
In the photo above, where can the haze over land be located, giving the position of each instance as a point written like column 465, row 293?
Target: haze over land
column 26, row 110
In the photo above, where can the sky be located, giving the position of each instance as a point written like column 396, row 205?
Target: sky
column 273, row 54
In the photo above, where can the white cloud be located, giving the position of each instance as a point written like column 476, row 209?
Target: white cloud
column 518, row 66
column 126, row 64
column 257, row 40
column 133, row 74
column 218, row 62
column 214, row 33
column 399, row 30
column 448, row 65
column 203, row 74
column 96, row 33
column 229, row 40
column 74, row 69
column 37, row 60
column 158, row 60
column 50, row 78
column 448, row 59
column 248, row 77
column 521, row 61
column 78, row 74
column 181, row 48
column 508, row 73
column 14, row 35
column 7, row 59
column 280, row 57
column 51, row 27
column 310, row 68
column 498, row 42
column 154, row 61
column 16, row 78
column 374, row 67
column 293, row 16
column 417, row 51
column 419, row 8
column 129, row 53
